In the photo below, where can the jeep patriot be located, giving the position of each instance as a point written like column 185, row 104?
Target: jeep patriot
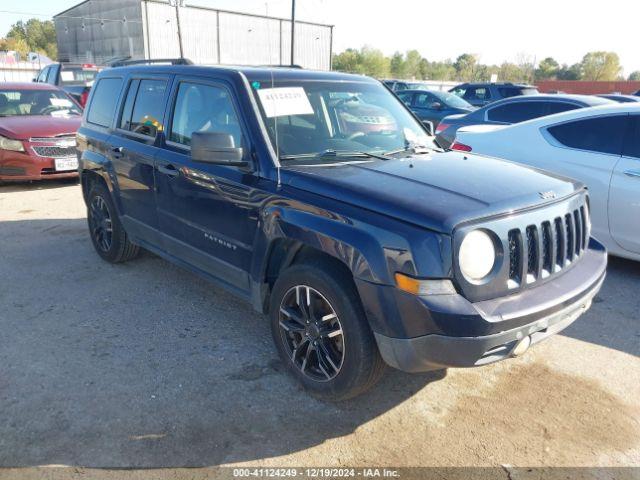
column 321, row 199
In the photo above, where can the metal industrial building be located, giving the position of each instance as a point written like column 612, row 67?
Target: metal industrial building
column 97, row 31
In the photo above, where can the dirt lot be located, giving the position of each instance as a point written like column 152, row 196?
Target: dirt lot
column 146, row 365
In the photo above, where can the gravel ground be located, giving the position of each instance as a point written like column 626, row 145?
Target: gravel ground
column 146, row 365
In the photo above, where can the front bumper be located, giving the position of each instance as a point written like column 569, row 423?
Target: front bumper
column 536, row 313
column 22, row 166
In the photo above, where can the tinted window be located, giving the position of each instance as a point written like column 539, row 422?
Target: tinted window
column 51, row 75
column 557, row 107
column 203, row 108
column 602, row 134
column 406, row 98
column 42, row 76
column 477, row 93
column 517, row 112
column 125, row 119
column 148, row 108
column 632, row 143
column 506, row 92
column 103, row 104
column 77, row 75
column 425, row 100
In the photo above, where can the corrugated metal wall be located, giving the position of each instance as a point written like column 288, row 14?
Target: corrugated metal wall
column 97, row 31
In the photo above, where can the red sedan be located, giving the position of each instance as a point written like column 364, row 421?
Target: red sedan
column 38, row 124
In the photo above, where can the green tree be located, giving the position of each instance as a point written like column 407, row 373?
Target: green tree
column 412, row 64
column 466, row 66
column 15, row 44
column 347, row 61
column 601, row 66
column 39, row 36
column 441, row 71
column 635, row 76
column 510, row 72
column 397, row 65
column 547, row 69
column 573, row 72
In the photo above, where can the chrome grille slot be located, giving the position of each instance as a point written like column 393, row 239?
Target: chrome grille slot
column 578, row 223
column 547, row 249
column 570, row 236
column 560, row 243
column 533, row 255
column 515, row 258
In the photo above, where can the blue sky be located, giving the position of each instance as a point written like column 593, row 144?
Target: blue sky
column 497, row 30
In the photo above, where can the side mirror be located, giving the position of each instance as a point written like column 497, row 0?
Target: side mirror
column 216, row 148
column 435, row 106
column 429, row 126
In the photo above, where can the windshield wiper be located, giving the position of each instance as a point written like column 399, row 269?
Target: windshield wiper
column 417, row 149
column 330, row 153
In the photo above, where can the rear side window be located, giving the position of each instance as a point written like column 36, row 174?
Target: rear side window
column 105, row 99
column 148, row 108
column 51, row 75
column 632, row 143
column 517, row 112
column 602, row 134
column 42, row 76
column 506, row 92
column 558, row 107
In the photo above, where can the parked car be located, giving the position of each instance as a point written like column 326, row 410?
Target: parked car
column 74, row 78
column 599, row 146
column 362, row 247
column 483, row 93
column 38, row 124
column 396, row 85
column 433, row 106
column 620, row 98
column 514, row 110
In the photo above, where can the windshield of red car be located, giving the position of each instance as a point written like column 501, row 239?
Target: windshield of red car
column 307, row 118
column 36, row 102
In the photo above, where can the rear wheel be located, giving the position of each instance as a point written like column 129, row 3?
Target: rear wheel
column 107, row 233
column 321, row 332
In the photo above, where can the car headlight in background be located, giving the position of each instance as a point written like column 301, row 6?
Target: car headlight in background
column 477, row 255
column 10, row 144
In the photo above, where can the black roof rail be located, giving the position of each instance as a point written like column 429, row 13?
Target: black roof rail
column 283, row 66
column 149, row 61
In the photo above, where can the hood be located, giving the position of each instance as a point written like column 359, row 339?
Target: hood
column 21, row 127
column 436, row 191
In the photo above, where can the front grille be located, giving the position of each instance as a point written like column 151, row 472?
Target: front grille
column 52, row 139
column 548, row 247
column 54, row 152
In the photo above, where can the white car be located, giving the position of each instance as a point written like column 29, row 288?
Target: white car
column 599, row 146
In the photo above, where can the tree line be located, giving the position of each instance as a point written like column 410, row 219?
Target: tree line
column 595, row 66
column 31, row 36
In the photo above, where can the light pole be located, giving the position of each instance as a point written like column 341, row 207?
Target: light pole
column 177, row 4
column 293, row 30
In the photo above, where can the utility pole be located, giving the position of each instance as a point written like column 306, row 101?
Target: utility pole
column 293, row 30
column 178, row 4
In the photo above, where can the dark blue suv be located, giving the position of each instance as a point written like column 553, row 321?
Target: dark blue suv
column 320, row 198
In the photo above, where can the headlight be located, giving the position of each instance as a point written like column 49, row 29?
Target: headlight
column 477, row 255
column 10, row 144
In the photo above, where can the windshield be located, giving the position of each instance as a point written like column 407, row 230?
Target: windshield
column 78, row 75
column 36, row 102
column 453, row 100
column 312, row 118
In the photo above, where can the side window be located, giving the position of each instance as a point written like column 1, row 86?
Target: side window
column 104, row 102
column 51, row 75
column 460, row 92
column 602, row 134
column 506, row 92
column 558, row 107
column 425, row 100
column 517, row 112
column 203, row 108
column 127, row 110
column 42, row 76
column 406, row 98
column 477, row 93
column 148, row 108
column 632, row 142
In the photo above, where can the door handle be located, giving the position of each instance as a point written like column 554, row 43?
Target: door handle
column 632, row 173
column 117, row 152
column 169, row 170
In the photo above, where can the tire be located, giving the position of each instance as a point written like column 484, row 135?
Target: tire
column 107, row 233
column 353, row 363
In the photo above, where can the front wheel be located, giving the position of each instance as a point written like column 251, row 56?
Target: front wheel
column 107, row 233
column 321, row 332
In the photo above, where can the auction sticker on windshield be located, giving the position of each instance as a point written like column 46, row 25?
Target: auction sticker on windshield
column 282, row 101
